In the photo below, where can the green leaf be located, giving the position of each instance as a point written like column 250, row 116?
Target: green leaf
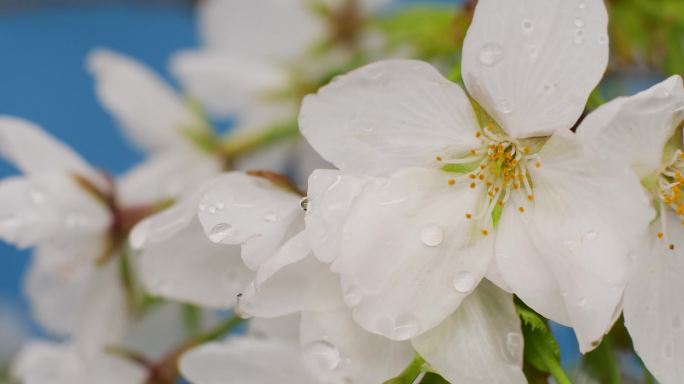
column 541, row 349
column 433, row 378
column 601, row 363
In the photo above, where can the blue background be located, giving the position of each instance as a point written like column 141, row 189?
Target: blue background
column 43, row 78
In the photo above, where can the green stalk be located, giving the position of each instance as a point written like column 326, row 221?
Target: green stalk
column 242, row 143
column 411, row 373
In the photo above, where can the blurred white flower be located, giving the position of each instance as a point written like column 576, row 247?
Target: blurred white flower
column 13, row 332
column 52, row 363
column 644, row 131
column 422, row 233
column 159, row 121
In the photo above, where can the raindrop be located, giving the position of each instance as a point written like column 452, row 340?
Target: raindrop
column 491, row 54
column 405, row 328
column 37, row 197
column 527, row 26
column 352, row 296
column 582, row 301
column 579, row 22
column 212, row 209
column 533, row 51
column 220, row 232
column 603, row 38
column 202, row 207
column 504, row 106
column 271, row 217
column 304, row 203
column 591, row 235
column 432, row 235
column 582, row 5
column 220, row 205
column 464, row 282
column 513, row 343
column 579, row 36
column 676, row 322
column 323, row 355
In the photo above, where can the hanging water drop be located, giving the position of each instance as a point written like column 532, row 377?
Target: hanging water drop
column 464, row 282
column 323, row 355
column 352, row 296
column 271, row 217
column 579, row 22
column 504, row 106
column 405, row 328
column 527, row 26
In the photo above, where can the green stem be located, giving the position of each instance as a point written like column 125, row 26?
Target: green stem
column 219, row 330
column 411, row 373
column 242, row 143
column 556, row 370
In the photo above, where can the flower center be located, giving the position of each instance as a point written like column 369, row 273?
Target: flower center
column 500, row 164
column 669, row 186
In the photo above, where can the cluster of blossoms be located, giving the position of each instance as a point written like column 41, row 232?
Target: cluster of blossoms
column 399, row 258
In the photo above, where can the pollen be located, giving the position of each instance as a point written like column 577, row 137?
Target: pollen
column 472, row 185
column 472, row 176
column 530, row 197
column 671, row 246
column 438, row 158
column 468, row 216
column 478, row 134
column 660, row 235
column 451, row 181
column 481, row 177
column 537, row 164
column 485, row 232
column 521, row 209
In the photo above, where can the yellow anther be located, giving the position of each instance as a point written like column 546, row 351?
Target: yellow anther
column 530, row 197
column 660, row 235
column 451, row 181
column 481, row 177
column 468, row 216
column 671, row 246
column 472, row 185
column 521, row 209
column 478, row 134
column 439, row 158
column 485, row 232
column 537, row 164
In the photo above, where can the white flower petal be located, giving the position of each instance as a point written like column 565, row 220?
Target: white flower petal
column 49, row 363
column 387, row 116
column 283, row 327
column 188, row 267
column 522, row 266
column 407, row 257
column 241, row 26
column 480, row 343
column 345, row 348
column 302, row 285
column 33, row 150
column 329, row 198
column 533, row 63
column 243, row 360
column 227, row 82
column 103, row 318
column 586, row 231
column 633, row 130
column 58, row 280
column 654, row 304
column 241, row 207
column 151, row 114
column 48, row 207
column 166, row 175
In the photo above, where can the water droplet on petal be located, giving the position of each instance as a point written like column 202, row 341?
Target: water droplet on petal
column 220, row 232
column 582, row 5
column 405, row 328
column 304, row 203
column 352, row 296
column 579, row 37
column 513, row 343
column 676, row 322
column 661, row 92
column 491, row 54
column 582, row 302
column 504, row 106
column 579, row 22
column 37, row 196
column 271, row 217
column 322, row 355
column 211, row 209
column 464, row 282
column 591, row 235
column 603, row 38
column 432, row 235
column 527, row 26
column 220, row 205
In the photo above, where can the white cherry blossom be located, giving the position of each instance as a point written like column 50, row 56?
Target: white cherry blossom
column 644, row 131
column 442, row 175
